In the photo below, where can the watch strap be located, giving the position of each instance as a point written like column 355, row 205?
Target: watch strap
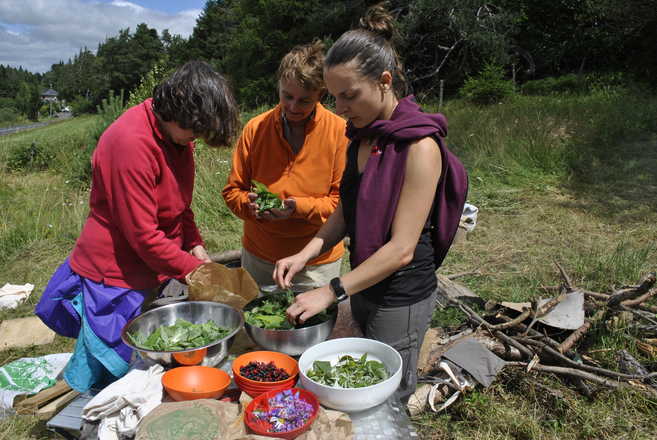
column 338, row 289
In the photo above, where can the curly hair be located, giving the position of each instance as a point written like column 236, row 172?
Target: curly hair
column 197, row 97
column 372, row 49
column 304, row 64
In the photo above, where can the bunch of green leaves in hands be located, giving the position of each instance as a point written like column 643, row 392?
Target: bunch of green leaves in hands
column 180, row 336
column 270, row 314
column 349, row 372
column 266, row 200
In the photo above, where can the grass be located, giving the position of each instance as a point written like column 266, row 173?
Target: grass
column 566, row 178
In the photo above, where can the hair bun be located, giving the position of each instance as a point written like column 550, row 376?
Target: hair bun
column 379, row 21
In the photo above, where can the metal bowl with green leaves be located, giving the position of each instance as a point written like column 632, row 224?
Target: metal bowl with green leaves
column 187, row 333
column 266, row 324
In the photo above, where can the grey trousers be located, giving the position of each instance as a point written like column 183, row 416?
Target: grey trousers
column 400, row 327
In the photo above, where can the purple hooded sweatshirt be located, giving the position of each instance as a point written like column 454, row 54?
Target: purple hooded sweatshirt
column 383, row 177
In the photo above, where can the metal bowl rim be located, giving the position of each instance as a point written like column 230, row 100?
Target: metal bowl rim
column 124, row 331
column 333, row 318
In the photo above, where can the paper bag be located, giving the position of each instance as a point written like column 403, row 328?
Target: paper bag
column 218, row 283
column 217, row 420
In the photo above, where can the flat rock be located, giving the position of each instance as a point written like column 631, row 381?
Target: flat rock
column 23, row 332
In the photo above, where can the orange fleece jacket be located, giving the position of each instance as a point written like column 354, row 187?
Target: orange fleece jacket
column 312, row 177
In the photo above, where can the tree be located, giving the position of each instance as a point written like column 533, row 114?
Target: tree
column 452, row 39
column 28, row 100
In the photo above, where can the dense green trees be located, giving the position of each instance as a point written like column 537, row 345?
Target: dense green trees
column 439, row 39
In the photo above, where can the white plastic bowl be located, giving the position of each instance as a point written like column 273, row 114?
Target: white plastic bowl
column 352, row 399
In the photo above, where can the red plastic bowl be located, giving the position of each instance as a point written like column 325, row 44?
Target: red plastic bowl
column 196, row 382
column 253, row 387
column 261, row 427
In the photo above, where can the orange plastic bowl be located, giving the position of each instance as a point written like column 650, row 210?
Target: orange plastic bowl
column 254, row 387
column 196, row 382
column 262, row 427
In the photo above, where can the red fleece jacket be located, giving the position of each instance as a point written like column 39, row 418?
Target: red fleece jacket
column 140, row 225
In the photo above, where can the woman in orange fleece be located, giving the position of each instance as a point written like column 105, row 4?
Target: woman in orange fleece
column 298, row 150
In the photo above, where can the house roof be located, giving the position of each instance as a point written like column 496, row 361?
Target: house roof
column 49, row 92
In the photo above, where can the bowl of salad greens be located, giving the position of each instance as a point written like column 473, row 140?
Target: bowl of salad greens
column 266, row 324
column 184, row 333
column 351, row 374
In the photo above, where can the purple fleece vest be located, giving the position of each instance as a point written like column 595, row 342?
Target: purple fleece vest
column 383, row 177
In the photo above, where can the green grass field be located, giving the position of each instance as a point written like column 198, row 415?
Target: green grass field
column 566, row 178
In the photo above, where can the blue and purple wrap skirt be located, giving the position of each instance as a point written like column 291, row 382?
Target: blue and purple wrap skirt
column 95, row 314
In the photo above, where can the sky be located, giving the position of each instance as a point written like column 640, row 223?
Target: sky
column 35, row 34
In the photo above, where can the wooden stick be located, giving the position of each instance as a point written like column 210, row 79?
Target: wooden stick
column 30, row 404
column 624, row 294
column 576, row 335
column 566, row 279
column 512, row 322
column 548, row 340
column 645, row 297
column 573, row 372
column 226, row 256
column 462, row 274
column 512, row 342
column 50, row 409
column 545, row 309
column 641, row 314
column 560, row 357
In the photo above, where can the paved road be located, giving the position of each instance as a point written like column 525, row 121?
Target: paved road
column 10, row 130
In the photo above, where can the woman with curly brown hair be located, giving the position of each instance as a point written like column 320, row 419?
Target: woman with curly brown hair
column 401, row 198
column 140, row 230
column 297, row 149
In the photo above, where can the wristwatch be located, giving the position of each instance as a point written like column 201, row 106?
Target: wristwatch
column 338, row 289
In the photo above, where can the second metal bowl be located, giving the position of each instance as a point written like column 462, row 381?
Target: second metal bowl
column 196, row 312
column 292, row 342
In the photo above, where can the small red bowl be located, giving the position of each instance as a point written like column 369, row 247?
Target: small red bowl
column 196, row 382
column 261, row 427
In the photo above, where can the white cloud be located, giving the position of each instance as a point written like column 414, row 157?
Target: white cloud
column 38, row 33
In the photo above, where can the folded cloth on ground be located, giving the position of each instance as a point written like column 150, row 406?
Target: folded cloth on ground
column 28, row 376
column 11, row 295
column 121, row 405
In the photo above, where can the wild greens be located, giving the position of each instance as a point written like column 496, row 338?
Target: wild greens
column 349, row 372
column 270, row 312
column 266, row 200
column 180, row 336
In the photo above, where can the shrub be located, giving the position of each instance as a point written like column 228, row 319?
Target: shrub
column 8, row 114
column 30, row 158
column 147, row 84
column 575, row 84
column 81, row 105
column 110, row 109
column 570, row 83
column 488, row 87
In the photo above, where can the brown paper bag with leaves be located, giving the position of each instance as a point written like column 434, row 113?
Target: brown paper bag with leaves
column 218, row 283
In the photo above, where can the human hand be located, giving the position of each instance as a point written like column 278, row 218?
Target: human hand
column 199, row 252
column 285, row 269
column 308, row 304
column 253, row 205
column 282, row 214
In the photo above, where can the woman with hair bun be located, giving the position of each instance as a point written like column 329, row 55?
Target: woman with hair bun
column 140, row 230
column 297, row 150
column 401, row 198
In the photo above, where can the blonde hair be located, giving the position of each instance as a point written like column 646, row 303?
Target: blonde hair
column 305, row 65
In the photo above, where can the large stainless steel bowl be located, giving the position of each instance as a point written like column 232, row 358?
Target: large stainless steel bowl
column 292, row 342
column 196, row 312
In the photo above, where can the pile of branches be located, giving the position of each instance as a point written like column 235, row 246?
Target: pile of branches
column 524, row 343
